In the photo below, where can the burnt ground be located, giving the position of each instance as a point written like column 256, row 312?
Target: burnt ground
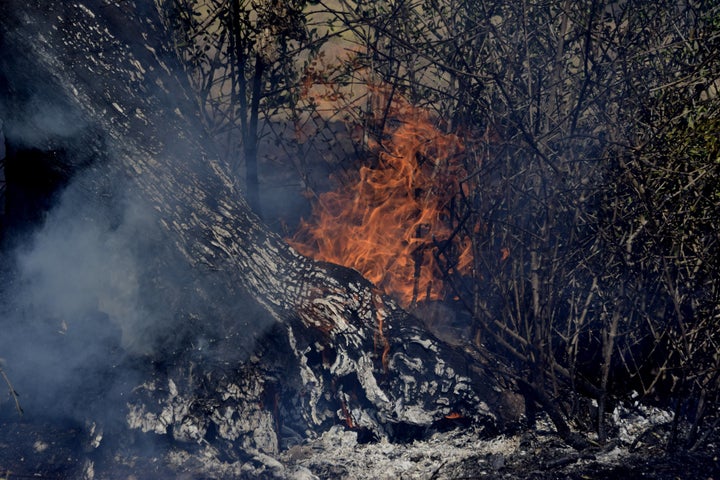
column 549, row 459
column 51, row 450
column 537, row 454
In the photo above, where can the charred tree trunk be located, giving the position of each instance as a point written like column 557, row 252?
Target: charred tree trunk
column 339, row 351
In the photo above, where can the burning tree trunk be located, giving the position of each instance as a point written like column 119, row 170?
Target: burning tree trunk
column 340, row 351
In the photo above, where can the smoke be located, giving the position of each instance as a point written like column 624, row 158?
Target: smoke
column 96, row 298
column 79, row 264
column 72, row 309
column 83, row 295
column 98, row 290
column 45, row 119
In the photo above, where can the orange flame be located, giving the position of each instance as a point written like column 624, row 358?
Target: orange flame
column 454, row 416
column 392, row 222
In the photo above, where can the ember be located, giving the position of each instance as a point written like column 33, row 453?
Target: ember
column 394, row 220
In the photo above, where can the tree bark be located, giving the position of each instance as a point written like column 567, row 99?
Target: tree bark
column 354, row 356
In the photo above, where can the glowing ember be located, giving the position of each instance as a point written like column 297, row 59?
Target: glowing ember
column 394, row 220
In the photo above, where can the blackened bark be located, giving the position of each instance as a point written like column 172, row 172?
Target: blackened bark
column 341, row 351
column 250, row 143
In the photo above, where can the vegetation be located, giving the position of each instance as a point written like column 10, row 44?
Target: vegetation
column 241, row 59
column 592, row 192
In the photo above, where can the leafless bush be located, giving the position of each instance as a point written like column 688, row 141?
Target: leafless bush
column 591, row 157
column 595, row 258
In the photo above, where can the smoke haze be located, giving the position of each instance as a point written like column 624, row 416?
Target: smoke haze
column 72, row 306
column 95, row 295
column 95, row 288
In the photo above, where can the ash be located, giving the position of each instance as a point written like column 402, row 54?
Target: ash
column 337, row 454
column 638, row 449
column 463, row 453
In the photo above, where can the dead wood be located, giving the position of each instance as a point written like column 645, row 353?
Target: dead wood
column 339, row 351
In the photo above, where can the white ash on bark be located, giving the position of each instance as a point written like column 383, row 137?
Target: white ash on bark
column 339, row 352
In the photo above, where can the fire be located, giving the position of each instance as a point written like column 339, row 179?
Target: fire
column 393, row 221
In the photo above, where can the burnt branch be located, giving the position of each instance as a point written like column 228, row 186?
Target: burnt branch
column 345, row 352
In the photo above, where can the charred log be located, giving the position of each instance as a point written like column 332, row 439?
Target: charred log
column 338, row 350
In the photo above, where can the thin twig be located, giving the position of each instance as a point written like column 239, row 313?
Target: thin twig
column 13, row 393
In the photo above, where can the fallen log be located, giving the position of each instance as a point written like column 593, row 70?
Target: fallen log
column 337, row 349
